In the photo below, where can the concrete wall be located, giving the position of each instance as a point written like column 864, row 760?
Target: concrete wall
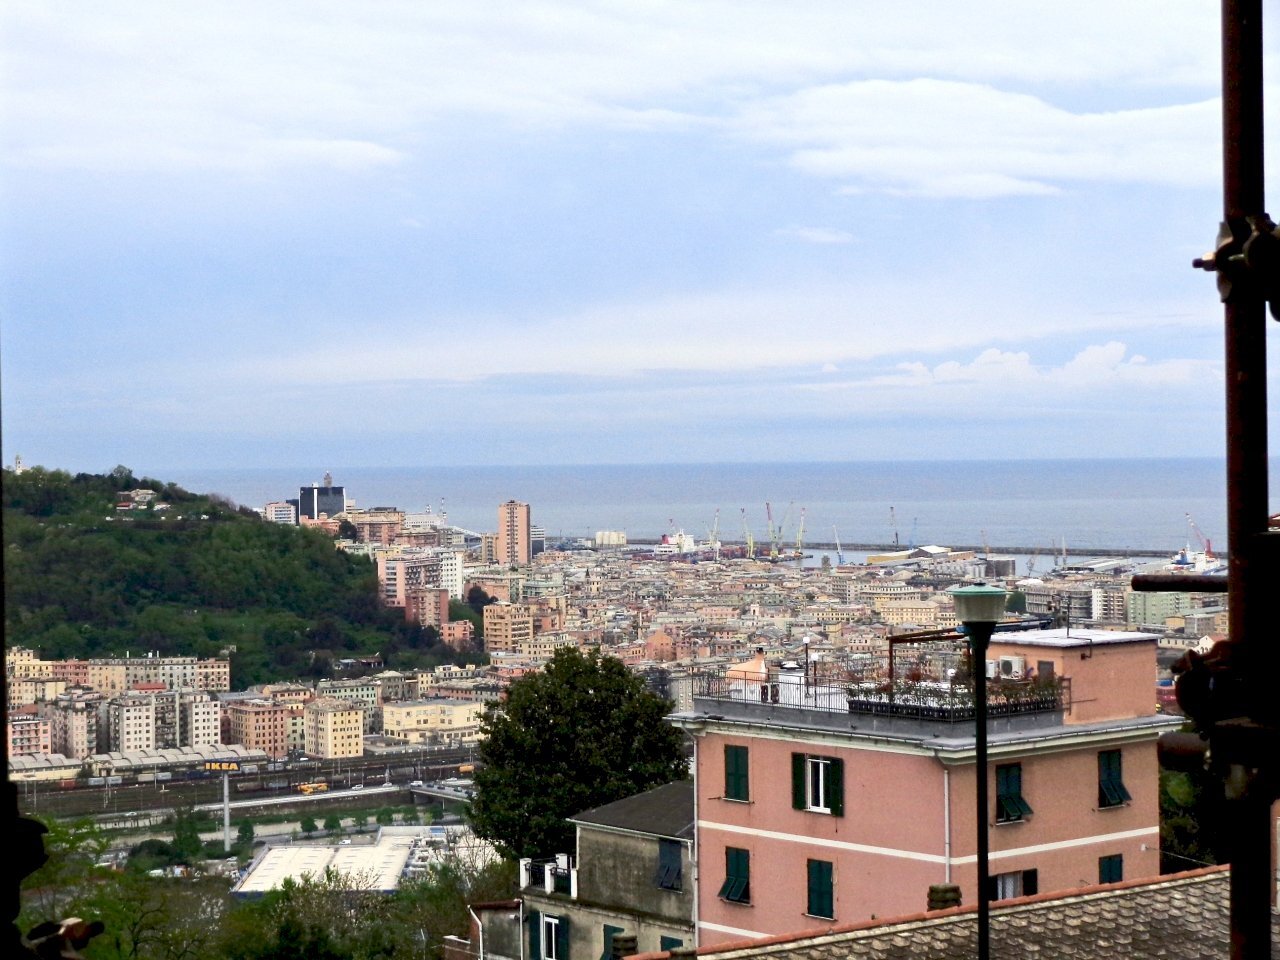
column 619, row 869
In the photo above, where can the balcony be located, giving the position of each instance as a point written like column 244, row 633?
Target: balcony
column 557, row 876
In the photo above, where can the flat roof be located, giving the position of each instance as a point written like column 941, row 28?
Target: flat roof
column 1071, row 637
column 378, row 865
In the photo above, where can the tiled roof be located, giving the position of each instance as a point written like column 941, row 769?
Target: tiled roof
column 1178, row 917
column 665, row 811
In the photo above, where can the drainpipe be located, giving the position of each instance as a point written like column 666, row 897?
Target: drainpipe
column 946, row 818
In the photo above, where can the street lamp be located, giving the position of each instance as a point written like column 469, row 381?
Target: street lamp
column 979, row 608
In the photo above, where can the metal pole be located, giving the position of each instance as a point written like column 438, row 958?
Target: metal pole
column 226, row 811
column 980, row 635
column 1247, row 482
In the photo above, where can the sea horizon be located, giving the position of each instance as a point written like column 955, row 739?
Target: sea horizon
column 1116, row 503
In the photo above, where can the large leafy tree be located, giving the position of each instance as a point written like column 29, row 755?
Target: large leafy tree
column 582, row 733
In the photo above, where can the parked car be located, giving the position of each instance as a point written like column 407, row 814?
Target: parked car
column 415, row 783
column 357, row 786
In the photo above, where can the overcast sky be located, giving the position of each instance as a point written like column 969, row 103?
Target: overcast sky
column 271, row 233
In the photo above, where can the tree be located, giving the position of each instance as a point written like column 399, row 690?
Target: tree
column 244, row 833
column 347, row 530
column 308, row 825
column 187, row 847
column 384, row 816
column 361, row 821
column 333, row 823
column 580, row 734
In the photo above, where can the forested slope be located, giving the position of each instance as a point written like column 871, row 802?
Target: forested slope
column 82, row 580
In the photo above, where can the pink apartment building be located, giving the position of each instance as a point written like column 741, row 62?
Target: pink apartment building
column 825, row 803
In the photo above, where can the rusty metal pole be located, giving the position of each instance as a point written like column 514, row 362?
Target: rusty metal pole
column 1247, row 483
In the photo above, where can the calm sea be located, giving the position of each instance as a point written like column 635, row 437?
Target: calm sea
column 1137, row 504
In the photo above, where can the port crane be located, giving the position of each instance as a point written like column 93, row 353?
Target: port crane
column 839, row 552
column 800, row 537
column 713, row 536
column 1206, row 545
column 746, row 532
column 893, row 522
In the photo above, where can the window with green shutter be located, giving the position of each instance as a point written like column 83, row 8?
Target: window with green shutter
column 609, row 931
column 670, row 874
column 1111, row 790
column 737, row 785
column 669, row 943
column 817, row 784
column 554, row 938
column 821, row 901
column 1010, row 805
column 737, row 876
column 1111, row 869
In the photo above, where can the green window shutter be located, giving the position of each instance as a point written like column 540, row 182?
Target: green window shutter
column 1111, row 789
column 835, row 786
column 562, row 939
column 1111, row 869
column 798, row 764
column 669, row 943
column 737, row 784
column 737, row 875
column 609, row 931
column 535, row 935
column 821, row 900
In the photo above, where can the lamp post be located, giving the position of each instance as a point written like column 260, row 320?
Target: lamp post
column 979, row 608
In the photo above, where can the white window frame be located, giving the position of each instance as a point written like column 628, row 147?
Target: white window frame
column 550, row 937
column 816, row 773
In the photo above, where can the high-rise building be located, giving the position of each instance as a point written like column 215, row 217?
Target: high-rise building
column 515, row 542
column 317, row 499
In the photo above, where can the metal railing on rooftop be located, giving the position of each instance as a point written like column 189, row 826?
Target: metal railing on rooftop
column 918, row 699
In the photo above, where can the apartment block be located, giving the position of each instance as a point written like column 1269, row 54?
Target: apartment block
column 458, row 634
column 506, row 626
column 433, row 720
column 333, row 728
column 428, row 606
column 514, row 544
column 260, row 724
column 281, row 511
column 365, row 691
column 28, row 733
column 824, row 804
column 74, row 718
column 131, row 722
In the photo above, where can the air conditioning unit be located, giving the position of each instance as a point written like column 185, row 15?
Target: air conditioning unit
column 993, row 669
column 1014, row 667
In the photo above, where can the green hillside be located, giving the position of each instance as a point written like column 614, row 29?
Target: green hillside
column 83, row 579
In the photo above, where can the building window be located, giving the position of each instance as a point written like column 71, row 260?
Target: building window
column 1019, row 883
column 737, row 876
column 1111, row 791
column 554, row 940
column 817, row 784
column 609, row 932
column 822, row 899
column 669, row 872
column 669, row 943
column 736, row 783
column 1111, row 869
column 1010, row 807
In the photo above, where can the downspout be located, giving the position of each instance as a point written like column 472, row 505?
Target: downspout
column 693, row 848
column 480, row 931
column 946, row 820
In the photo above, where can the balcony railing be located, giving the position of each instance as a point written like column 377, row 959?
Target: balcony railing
column 550, row 876
column 917, row 699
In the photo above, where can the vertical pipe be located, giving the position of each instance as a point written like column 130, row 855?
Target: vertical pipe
column 1247, row 491
column 980, row 634
column 226, row 810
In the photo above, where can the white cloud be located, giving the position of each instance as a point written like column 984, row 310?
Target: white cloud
column 819, row 235
column 945, row 138
column 151, row 84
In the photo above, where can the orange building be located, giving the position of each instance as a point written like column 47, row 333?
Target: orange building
column 514, row 544
column 259, row 724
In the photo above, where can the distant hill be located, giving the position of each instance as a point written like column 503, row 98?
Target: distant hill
column 186, row 574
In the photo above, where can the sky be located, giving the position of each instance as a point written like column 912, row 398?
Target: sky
column 289, row 234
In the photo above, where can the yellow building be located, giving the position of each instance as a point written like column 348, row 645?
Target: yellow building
column 333, row 729
column 506, row 626
column 434, row 720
